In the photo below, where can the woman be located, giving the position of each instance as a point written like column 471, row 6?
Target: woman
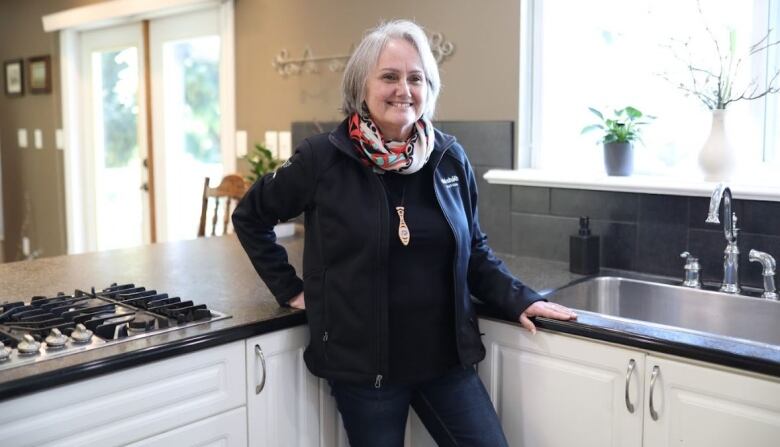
column 393, row 251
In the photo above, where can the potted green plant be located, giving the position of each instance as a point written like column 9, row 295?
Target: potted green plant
column 261, row 162
column 618, row 135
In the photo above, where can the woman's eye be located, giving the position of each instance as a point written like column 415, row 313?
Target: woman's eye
column 390, row 77
column 416, row 79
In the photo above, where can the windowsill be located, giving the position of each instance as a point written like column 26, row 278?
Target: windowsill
column 741, row 189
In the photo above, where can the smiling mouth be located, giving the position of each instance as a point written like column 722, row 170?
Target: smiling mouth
column 400, row 105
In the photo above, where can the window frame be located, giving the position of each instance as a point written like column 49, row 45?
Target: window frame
column 528, row 152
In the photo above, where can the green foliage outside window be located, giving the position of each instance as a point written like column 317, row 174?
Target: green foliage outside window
column 119, row 117
column 201, row 87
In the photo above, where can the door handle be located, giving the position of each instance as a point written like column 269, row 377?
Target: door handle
column 629, row 372
column 259, row 354
column 653, row 377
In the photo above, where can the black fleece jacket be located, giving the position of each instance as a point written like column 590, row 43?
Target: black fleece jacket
column 345, row 275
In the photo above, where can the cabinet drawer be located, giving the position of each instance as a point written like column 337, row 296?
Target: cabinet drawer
column 129, row 405
column 223, row 430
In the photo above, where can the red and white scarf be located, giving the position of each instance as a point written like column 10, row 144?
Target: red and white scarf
column 403, row 157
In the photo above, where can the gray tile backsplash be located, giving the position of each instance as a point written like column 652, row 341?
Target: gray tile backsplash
column 527, row 199
column 605, row 205
column 644, row 232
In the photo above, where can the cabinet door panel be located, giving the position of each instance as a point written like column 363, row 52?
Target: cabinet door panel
column 333, row 433
column 699, row 406
column 129, row 405
column 223, row 430
column 551, row 389
column 286, row 411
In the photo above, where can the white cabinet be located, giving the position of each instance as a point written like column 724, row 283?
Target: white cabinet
column 223, row 430
column 707, row 407
column 554, row 389
column 133, row 404
column 331, row 425
column 283, row 398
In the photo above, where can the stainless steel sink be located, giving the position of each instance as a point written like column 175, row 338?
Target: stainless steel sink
column 711, row 312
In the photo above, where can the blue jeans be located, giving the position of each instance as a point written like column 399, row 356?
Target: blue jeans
column 455, row 408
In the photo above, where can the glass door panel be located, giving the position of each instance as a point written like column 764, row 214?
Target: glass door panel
column 118, row 209
column 185, row 66
column 118, row 194
column 192, row 129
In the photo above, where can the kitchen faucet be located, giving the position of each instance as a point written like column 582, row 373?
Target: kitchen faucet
column 731, row 254
column 769, row 265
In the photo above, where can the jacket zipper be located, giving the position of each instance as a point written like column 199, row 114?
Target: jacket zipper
column 383, row 213
column 324, row 290
column 327, row 313
column 454, row 261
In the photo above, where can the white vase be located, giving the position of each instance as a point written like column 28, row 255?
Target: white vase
column 717, row 157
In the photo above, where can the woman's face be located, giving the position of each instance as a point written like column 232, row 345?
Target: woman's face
column 396, row 90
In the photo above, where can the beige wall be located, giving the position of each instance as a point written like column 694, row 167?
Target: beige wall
column 35, row 173
column 480, row 79
column 480, row 82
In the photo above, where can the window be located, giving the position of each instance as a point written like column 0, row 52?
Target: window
column 611, row 53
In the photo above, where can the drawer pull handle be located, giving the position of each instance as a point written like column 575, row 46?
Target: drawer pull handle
column 629, row 372
column 259, row 353
column 653, row 377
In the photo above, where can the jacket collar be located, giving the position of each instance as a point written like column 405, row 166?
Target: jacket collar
column 339, row 137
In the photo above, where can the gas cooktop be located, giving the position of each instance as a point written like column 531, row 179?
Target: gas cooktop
column 48, row 327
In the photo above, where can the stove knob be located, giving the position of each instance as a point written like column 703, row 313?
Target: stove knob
column 5, row 353
column 81, row 334
column 28, row 345
column 56, row 340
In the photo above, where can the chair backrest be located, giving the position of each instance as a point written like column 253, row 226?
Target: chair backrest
column 228, row 192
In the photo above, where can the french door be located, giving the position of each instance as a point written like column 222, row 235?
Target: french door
column 185, row 73
column 115, row 146
column 144, row 166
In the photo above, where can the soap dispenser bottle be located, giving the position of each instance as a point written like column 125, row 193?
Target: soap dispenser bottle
column 584, row 250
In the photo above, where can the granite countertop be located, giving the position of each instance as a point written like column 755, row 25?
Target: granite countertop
column 216, row 272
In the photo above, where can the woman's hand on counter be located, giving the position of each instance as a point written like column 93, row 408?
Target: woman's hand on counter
column 543, row 309
column 297, row 302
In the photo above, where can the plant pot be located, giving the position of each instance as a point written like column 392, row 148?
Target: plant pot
column 717, row 158
column 619, row 158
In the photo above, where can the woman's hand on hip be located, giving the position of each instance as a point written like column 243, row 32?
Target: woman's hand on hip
column 297, row 302
column 547, row 310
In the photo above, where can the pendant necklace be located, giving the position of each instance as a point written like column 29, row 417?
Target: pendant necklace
column 403, row 230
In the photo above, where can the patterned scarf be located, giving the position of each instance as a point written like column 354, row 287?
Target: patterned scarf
column 403, row 157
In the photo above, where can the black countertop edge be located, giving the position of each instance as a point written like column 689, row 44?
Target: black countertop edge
column 140, row 357
column 715, row 356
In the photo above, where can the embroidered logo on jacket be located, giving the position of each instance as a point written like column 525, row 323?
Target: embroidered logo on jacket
column 450, row 182
column 284, row 165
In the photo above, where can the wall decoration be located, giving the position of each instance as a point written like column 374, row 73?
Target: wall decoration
column 13, row 76
column 309, row 63
column 39, row 74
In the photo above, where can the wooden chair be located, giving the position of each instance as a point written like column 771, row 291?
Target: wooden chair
column 231, row 189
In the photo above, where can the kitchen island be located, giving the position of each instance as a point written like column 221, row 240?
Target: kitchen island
column 214, row 271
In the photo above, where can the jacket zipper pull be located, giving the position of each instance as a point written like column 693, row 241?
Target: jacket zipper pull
column 325, row 337
column 378, row 382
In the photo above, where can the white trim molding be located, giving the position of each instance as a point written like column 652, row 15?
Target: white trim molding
column 71, row 124
column 227, row 85
column 115, row 12
column 642, row 184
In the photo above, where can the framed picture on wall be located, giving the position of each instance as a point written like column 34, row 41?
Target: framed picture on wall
column 39, row 73
column 13, row 77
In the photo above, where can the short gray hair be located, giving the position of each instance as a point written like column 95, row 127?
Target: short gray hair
column 366, row 56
